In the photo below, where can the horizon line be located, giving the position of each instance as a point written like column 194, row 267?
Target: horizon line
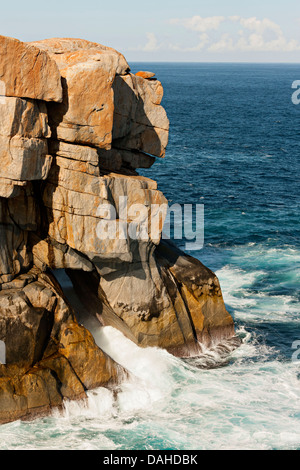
column 212, row 62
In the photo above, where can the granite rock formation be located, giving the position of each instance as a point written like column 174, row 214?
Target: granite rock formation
column 75, row 125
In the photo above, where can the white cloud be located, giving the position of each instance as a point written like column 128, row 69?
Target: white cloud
column 224, row 44
column 234, row 18
column 197, row 23
column 260, row 26
column 256, row 42
column 203, row 41
column 152, row 44
column 217, row 34
column 256, row 35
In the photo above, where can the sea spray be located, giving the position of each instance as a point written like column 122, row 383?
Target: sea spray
column 252, row 403
column 150, row 369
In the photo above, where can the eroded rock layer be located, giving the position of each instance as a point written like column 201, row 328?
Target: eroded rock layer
column 75, row 125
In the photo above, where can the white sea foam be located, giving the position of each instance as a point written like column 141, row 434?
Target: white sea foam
column 252, row 403
column 251, row 400
column 238, row 292
column 150, row 369
column 248, row 404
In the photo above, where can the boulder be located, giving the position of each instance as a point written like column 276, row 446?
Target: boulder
column 59, row 46
column 28, row 72
column 48, row 253
column 76, row 205
column 88, row 70
column 140, row 123
column 103, row 102
column 23, row 145
column 181, row 306
column 49, row 356
column 146, row 75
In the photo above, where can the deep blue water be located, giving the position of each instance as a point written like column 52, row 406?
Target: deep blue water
column 234, row 147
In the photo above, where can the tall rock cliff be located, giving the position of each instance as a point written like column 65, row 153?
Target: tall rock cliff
column 75, row 125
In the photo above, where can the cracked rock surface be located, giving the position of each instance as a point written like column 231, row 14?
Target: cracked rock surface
column 75, row 127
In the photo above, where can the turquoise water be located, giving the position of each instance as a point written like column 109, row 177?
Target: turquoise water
column 234, row 147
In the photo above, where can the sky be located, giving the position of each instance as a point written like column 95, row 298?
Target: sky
column 160, row 30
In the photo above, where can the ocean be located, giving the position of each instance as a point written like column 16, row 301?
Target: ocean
column 234, row 147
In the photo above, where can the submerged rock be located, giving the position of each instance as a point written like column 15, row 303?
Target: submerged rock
column 73, row 132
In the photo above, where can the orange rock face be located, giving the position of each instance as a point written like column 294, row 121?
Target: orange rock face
column 146, row 75
column 60, row 46
column 88, row 70
column 28, row 72
column 74, row 126
column 103, row 102
column 140, row 122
